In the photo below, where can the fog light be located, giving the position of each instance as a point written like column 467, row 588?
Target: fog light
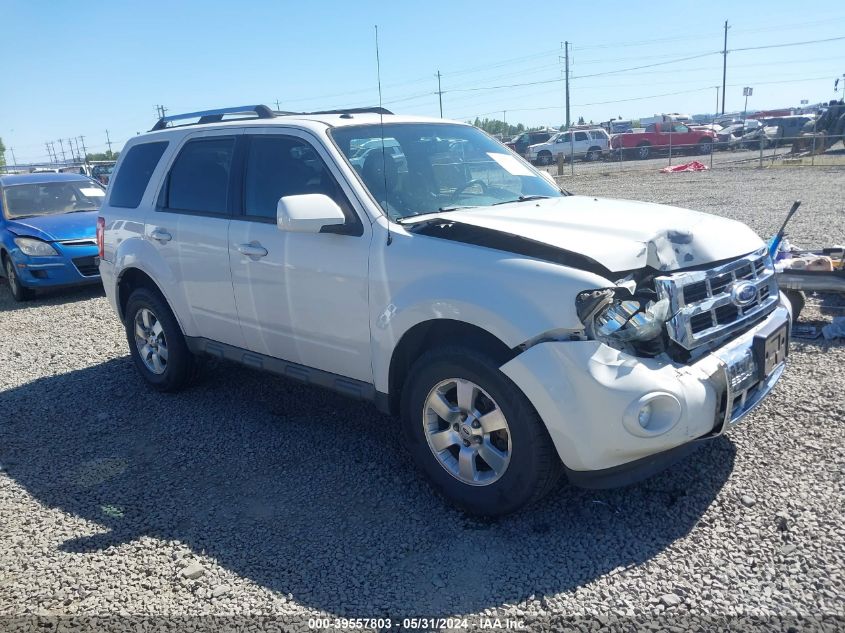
column 644, row 416
column 652, row 414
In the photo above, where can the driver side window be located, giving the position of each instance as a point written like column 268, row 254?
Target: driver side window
column 278, row 166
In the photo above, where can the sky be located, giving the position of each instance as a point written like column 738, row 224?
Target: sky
column 75, row 69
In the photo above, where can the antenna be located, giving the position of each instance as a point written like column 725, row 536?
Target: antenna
column 383, row 155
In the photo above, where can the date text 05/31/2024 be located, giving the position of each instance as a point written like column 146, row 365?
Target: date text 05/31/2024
column 415, row 623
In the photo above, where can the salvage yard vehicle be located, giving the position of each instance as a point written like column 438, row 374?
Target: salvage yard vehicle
column 47, row 231
column 663, row 137
column 590, row 145
column 521, row 143
column 518, row 331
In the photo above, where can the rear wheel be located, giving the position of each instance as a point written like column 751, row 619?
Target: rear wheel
column 593, row 154
column 156, row 342
column 544, row 158
column 475, row 434
column 705, row 147
column 18, row 290
column 643, row 151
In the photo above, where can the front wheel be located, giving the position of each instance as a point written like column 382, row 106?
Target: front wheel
column 544, row 158
column 643, row 151
column 18, row 290
column 156, row 343
column 475, row 434
column 705, row 147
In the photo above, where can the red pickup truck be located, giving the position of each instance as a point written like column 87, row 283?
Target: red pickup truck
column 660, row 137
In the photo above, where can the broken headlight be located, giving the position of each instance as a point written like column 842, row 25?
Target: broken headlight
column 613, row 314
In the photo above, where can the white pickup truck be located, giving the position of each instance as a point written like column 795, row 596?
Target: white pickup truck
column 516, row 331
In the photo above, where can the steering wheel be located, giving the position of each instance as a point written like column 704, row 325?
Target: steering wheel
column 467, row 185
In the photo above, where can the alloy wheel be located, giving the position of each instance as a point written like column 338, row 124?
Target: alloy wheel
column 467, row 432
column 11, row 277
column 151, row 341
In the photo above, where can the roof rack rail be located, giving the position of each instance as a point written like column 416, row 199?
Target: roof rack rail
column 372, row 110
column 213, row 116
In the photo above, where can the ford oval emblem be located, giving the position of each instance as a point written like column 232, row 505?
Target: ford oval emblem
column 743, row 293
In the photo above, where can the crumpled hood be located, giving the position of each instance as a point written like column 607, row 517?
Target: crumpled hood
column 620, row 235
column 55, row 228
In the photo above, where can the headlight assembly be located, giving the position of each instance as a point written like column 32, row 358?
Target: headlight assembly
column 35, row 248
column 607, row 317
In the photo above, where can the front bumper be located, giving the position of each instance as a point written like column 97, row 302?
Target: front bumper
column 589, row 396
column 77, row 265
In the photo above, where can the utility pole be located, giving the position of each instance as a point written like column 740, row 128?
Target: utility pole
column 53, row 149
column 49, row 155
column 84, row 151
column 505, row 122
column 277, row 105
column 440, row 94
column 108, row 141
column 717, row 100
column 724, row 65
column 14, row 160
column 566, row 71
column 74, row 154
column 62, row 145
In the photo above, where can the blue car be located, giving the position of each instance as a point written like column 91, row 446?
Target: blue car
column 48, row 226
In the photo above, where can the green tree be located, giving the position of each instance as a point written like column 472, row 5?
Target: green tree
column 2, row 154
column 495, row 126
column 107, row 155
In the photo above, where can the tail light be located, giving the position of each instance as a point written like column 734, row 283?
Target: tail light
column 101, row 236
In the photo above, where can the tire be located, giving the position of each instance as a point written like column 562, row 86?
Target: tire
column 544, row 158
column 643, row 151
column 705, row 147
column 18, row 290
column 176, row 365
column 593, row 154
column 797, row 299
column 526, row 467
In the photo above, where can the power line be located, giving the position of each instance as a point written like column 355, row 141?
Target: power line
column 758, row 48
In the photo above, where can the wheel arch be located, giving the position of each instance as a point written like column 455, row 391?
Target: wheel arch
column 130, row 280
column 433, row 333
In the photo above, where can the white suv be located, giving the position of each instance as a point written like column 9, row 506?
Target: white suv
column 519, row 332
column 589, row 145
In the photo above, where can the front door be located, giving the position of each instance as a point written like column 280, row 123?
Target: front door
column 301, row 297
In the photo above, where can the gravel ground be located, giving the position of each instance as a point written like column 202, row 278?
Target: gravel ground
column 251, row 495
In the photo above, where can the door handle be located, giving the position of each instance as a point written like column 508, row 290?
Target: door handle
column 253, row 250
column 160, row 235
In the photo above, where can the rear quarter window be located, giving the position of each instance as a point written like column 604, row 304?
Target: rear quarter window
column 134, row 174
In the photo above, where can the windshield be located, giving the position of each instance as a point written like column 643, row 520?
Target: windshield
column 431, row 167
column 52, row 198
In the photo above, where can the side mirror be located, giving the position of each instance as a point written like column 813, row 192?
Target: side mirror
column 308, row 213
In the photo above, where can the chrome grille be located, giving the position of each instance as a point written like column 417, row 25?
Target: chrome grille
column 702, row 301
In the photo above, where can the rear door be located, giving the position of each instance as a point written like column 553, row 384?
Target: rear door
column 301, row 297
column 582, row 143
column 190, row 229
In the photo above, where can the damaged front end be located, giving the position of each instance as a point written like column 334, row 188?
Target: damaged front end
column 624, row 320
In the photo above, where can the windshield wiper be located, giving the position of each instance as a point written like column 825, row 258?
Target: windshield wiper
column 456, row 207
column 521, row 199
column 82, row 210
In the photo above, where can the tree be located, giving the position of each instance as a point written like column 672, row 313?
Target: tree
column 2, row 154
column 495, row 126
column 107, row 155
column 580, row 120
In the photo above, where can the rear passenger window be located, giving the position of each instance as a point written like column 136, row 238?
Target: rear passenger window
column 134, row 174
column 199, row 178
column 280, row 166
column 580, row 136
